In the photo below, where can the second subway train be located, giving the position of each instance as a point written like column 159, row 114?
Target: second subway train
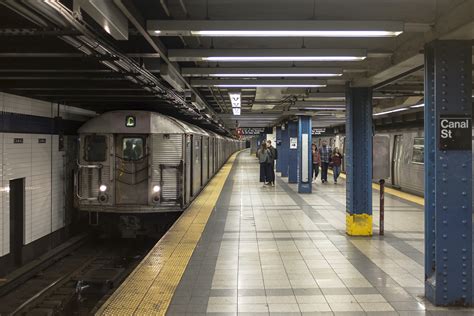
column 134, row 165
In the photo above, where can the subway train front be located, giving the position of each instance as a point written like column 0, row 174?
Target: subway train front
column 137, row 170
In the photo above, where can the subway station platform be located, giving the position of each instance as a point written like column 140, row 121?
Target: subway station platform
column 244, row 248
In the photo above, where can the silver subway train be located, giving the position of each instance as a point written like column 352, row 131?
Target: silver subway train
column 406, row 158
column 133, row 165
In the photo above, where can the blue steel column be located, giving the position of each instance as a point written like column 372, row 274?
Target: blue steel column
column 304, row 158
column 284, row 151
column 448, row 176
column 359, row 161
column 278, row 147
column 293, row 153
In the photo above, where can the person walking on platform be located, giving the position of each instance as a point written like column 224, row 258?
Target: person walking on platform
column 263, row 158
column 316, row 161
column 271, row 167
column 336, row 163
column 326, row 154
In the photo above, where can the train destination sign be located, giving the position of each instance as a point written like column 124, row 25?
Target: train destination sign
column 455, row 133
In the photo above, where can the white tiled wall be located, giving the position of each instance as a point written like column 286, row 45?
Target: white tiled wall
column 42, row 166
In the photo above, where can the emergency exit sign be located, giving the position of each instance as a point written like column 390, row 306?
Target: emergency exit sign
column 455, row 133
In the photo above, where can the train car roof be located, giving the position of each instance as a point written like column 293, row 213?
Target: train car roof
column 138, row 122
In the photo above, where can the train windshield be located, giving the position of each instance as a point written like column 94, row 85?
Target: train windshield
column 95, row 148
column 132, row 148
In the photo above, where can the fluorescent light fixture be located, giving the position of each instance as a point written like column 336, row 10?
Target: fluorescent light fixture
column 269, row 85
column 318, row 108
column 282, row 58
column 257, row 75
column 391, row 111
column 275, row 28
column 157, row 31
column 417, row 106
column 236, row 111
column 256, row 72
column 235, row 99
column 267, row 55
column 286, row 33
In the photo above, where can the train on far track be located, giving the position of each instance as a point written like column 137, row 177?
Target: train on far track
column 407, row 148
column 134, row 167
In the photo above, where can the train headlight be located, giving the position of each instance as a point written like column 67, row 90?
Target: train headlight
column 156, row 188
column 103, row 188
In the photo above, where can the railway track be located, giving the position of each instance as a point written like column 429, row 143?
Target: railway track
column 76, row 283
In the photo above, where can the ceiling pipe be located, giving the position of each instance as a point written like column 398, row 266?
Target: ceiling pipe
column 61, row 16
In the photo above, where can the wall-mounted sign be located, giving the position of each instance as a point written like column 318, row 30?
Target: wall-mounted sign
column 130, row 121
column 293, row 143
column 17, row 140
column 41, row 140
column 455, row 132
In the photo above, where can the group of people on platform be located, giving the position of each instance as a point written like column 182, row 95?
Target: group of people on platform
column 267, row 154
column 323, row 157
column 326, row 157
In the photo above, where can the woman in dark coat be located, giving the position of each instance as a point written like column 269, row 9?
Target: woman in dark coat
column 263, row 158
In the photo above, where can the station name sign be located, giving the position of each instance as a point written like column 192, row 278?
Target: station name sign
column 455, row 132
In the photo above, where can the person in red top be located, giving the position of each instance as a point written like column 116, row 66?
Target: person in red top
column 336, row 160
column 316, row 161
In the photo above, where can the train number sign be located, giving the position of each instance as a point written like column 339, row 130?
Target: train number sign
column 455, row 133
column 130, row 121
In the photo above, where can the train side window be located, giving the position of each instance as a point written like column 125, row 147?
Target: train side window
column 95, row 148
column 418, row 150
column 132, row 148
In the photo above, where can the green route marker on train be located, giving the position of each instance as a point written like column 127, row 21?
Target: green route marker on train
column 130, row 121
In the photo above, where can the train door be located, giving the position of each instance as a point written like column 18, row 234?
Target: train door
column 196, row 164
column 396, row 160
column 189, row 167
column 131, row 170
column 17, row 210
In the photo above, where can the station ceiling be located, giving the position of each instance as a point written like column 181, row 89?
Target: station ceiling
column 184, row 57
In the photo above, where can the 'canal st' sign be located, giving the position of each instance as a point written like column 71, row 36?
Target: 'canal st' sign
column 455, row 132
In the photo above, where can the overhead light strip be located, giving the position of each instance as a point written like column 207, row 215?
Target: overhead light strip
column 391, row 111
column 282, row 58
column 269, row 85
column 250, row 75
column 287, row 33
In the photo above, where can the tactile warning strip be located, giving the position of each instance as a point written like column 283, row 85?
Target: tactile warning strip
column 150, row 287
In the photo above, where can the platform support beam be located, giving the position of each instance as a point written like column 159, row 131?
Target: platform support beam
column 448, row 173
column 278, row 147
column 359, row 161
column 304, row 154
column 284, row 150
column 293, row 152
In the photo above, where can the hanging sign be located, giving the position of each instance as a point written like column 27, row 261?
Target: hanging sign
column 455, row 132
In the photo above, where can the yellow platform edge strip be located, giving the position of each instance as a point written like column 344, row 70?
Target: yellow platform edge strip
column 403, row 195
column 148, row 290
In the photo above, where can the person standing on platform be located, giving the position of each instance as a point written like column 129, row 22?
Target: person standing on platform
column 336, row 163
column 316, row 161
column 326, row 154
column 271, row 167
column 263, row 158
